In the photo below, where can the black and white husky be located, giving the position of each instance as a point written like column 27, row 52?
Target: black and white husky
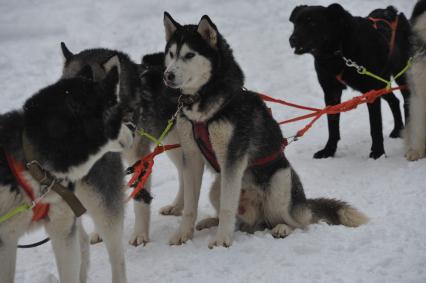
column 231, row 130
column 141, row 93
column 415, row 135
column 70, row 126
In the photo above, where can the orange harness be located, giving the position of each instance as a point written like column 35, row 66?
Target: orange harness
column 40, row 210
column 393, row 26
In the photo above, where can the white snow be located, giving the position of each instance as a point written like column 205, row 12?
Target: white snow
column 391, row 191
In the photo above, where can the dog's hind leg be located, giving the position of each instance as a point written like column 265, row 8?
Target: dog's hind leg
column 284, row 209
column 393, row 102
column 176, row 207
column 63, row 233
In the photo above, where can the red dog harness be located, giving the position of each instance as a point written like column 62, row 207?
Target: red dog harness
column 39, row 210
column 393, row 26
column 202, row 138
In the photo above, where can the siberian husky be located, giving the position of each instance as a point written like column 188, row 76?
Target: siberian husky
column 231, row 130
column 415, row 136
column 141, row 93
column 68, row 126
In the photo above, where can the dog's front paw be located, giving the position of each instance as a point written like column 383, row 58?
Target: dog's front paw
column 207, row 223
column 413, row 155
column 221, row 240
column 281, row 231
column 138, row 239
column 95, row 238
column 376, row 154
column 171, row 210
column 325, row 153
column 181, row 237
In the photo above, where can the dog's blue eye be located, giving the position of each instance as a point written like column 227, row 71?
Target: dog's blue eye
column 189, row 55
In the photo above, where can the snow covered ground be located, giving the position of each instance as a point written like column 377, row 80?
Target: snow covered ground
column 391, row 248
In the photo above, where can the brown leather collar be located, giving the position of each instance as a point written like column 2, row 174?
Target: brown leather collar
column 48, row 181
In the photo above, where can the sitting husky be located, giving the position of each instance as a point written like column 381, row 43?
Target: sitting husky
column 415, row 136
column 141, row 93
column 65, row 128
column 231, row 130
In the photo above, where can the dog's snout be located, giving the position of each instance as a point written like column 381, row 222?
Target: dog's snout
column 169, row 76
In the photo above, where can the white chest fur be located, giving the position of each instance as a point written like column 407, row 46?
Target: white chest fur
column 195, row 114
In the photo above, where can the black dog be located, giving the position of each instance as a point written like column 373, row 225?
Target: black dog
column 332, row 33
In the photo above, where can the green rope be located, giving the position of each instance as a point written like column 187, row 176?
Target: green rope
column 159, row 141
column 19, row 209
column 408, row 66
column 364, row 71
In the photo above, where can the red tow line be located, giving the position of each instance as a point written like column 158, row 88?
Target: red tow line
column 142, row 169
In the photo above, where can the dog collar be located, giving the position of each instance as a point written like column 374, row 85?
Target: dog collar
column 48, row 181
column 189, row 99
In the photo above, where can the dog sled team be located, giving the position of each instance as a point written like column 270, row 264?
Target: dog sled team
column 62, row 153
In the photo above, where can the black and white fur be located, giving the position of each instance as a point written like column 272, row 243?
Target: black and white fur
column 328, row 33
column 199, row 63
column 141, row 93
column 415, row 135
column 71, row 125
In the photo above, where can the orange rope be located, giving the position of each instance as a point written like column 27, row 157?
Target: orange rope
column 143, row 169
column 367, row 97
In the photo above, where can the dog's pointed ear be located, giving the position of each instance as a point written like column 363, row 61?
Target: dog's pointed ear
column 170, row 25
column 66, row 52
column 110, row 86
column 208, row 31
column 296, row 11
column 86, row 73
column 335, row 12
column 114, row 61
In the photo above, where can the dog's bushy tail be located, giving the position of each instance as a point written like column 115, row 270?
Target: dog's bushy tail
column 335, row 212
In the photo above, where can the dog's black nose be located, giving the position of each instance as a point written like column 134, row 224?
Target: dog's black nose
column 169, row 76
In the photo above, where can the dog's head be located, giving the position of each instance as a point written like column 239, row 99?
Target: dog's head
column 101, row 61
column 317, row 29
column 74, row 122
column 190, row 54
